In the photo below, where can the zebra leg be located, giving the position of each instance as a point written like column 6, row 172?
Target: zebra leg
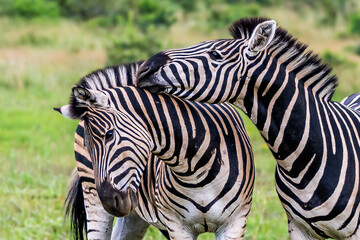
column 99, row 222
column 182, row 233
column 297, row 233
column 130, row 227
column 236, row 228
column 177, row 230
column 235, row 231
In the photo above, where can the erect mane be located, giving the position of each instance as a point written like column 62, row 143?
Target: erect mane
column 299, row 60
column 102, row 79
column 243, row 27
column 109, row 77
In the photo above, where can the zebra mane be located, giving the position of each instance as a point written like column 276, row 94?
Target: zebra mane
column 295, row 55
column 109, row 77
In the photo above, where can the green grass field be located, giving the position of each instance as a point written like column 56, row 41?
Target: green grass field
column 40, row 61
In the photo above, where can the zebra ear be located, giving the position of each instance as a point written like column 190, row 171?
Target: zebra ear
column 262, row 35
column 90, row 97
column 65, row 111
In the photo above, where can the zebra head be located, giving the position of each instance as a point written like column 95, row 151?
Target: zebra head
column 118, row 146
column 196, row 72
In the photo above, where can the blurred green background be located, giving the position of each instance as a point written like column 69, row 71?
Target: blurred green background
column 48, row 45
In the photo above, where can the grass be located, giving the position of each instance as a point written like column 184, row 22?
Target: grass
column 40, row 61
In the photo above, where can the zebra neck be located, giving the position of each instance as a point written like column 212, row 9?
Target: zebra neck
column 289, row 115
column 164, row 119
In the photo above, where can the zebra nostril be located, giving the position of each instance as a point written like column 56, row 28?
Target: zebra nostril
column 143, row 71
column 147, row 70
column 117, row 204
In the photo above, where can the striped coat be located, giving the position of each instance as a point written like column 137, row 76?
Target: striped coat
column 218, row 204
column 286, row 91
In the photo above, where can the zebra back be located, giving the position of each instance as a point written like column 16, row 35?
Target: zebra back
column 352, row 101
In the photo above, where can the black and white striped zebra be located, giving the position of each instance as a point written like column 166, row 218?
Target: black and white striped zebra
column 204, row 180
column 83, row 205
column 85, row 209
column 286, row 91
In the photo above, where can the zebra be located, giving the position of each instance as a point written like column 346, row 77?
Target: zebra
column 82, row 204
column 129, row 227
column 205, row 178
column 286, row 91
column 86, row 212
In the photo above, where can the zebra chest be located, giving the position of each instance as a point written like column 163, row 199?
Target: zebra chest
column 201, row 208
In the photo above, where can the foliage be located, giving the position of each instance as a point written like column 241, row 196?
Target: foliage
column 6, row 7
column 356, row 49
column 334, row 60
column 141, row 34
column 33, row 39
column 220, row 16
column 346, row 71
column 133, row 45
column 189, row 5
column 151, row 12
column 354, row 25
column 330, row 12
column 86, row 9
column 35, row 8
column 111, row 13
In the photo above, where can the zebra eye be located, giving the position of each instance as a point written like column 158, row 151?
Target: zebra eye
column 215, row 55
column 109, row 134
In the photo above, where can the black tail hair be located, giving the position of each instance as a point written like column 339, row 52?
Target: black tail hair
column 75, row 208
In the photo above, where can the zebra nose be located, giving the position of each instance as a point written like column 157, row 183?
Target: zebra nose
column 143, row 71
column 115, row 202
column 147, row 70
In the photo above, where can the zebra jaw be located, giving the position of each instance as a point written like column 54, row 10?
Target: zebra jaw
column 153, row 84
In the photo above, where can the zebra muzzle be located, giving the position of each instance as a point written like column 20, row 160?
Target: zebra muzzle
column 146, row 73
column 115, row 202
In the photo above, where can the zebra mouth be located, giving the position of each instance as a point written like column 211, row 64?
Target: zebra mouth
column 147, row 76
column 154, row 88
column 152, row 84
column 115, row 202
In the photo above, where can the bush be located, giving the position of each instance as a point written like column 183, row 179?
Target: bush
column 87, row 9
column 133, row 45
column 36, row 8
column 187, row 5
column 152, row 12
column 33, row 39
column 354, row 49
column 6, row 7
column 221, row 16
column 146, row 12
column 354, row 24
column 334, row 60
column 104, row 22
column 143, row 34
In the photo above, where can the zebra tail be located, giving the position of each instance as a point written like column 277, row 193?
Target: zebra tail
column 75, row 208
